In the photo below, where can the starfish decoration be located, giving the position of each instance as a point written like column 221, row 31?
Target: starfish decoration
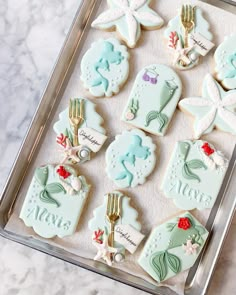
column 216, row 108
column 71, row 152
column 104, row 250
column 181, row 53
column 128, row 16
column 190, row 248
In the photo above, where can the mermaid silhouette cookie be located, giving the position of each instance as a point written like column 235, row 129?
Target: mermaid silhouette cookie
column 105, row 67
column 130, row 158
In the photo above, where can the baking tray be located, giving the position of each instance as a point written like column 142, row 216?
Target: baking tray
column 218, row 222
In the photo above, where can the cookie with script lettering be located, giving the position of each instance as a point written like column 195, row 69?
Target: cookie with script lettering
column 54, row 201
column 153, row 99
column 105, row 67
column 173, row 247
column 225, row 58
column 194, row 175
column 130, row 158
column 127, row 17
column 188, row 45
column 79, row 131
column 111, row 239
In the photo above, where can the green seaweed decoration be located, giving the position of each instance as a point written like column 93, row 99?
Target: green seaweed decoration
column 166, row 95
column 189, row 165
column 163, row 260
column 132, row 109
column 69, row 134
column 41, row 175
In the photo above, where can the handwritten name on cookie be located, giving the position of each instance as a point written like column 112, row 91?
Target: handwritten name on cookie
column 183, row 189
column 43, row 215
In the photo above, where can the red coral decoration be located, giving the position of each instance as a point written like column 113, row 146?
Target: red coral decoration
column 173, row 39
column 62, row 172
column 98, row 235
column 184, row 223
column 61, row 139
column 207, row 149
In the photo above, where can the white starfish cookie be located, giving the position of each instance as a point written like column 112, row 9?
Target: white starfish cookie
column 215, row 109
column 127, row 16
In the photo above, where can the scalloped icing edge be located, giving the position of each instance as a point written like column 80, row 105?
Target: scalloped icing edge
column 216, row 69
column 96, row 215
column 118, row 87
column 100, row 118
column 151, row 144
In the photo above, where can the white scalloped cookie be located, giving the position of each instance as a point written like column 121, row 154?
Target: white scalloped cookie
column 225, row 58
column 105, row 67
column 127, row 17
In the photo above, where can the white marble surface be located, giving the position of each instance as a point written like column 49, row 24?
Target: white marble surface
column 31, row 34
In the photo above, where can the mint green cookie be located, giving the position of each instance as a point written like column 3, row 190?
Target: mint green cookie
column 194, row 175
column 54, row 201
column 186, row 53
column 105, row 67
column 101, row 227
column 225, row 58
column 173, row 247
column 153, row 99
column 78, row 145
column 130, row 158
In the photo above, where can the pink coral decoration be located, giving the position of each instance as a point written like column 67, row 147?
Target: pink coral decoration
column 173, row 39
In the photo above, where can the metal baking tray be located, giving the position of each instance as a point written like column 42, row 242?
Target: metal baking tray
column 219, row 220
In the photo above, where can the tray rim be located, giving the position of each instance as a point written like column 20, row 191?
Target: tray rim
column 85, row 9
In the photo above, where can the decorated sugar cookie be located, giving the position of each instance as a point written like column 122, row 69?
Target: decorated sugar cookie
column 127, row 17
column 105, row 67
column 188, row 37
column 225, row 58
column 79, row 131
column 115, row 228
column 173, row 247
column 130, row 158
column 54, row 201
column 215, row 109
column 153, row 99
column 194, row 175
